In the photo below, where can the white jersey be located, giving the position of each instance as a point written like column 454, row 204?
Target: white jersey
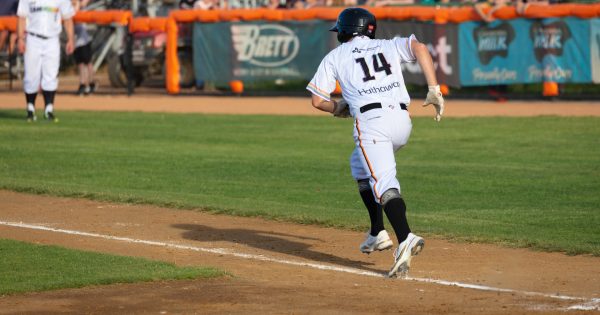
column 44, row 17
column 368, row 71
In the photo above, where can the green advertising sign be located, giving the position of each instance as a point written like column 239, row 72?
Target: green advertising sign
column 259, row 51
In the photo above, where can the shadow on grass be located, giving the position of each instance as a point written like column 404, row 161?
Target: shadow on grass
column 269, row 241
column 13, row 114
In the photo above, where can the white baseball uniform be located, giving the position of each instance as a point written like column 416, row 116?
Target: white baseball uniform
column 42, row 48
column 369, row 73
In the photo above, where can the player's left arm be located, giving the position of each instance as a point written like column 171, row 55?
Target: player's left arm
column 70, row 46
column 434, row 95
column 67, row 12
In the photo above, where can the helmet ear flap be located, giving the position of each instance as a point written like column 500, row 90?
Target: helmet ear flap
column 344, row 37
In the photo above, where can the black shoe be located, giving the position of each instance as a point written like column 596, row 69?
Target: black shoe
column 92, row 88
column 51, row 118
column 83, row 90
column 31, row 116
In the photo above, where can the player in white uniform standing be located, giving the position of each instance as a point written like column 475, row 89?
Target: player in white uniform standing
column 39, row 28
column 373, row 91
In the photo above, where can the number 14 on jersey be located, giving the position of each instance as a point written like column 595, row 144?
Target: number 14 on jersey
column 379, row 65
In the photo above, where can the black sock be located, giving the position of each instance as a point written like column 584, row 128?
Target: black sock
column 30, row 97
column 48, row 97
column 375, row 211
column 395, row 209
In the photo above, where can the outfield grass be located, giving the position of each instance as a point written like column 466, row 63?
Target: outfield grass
column 527, row 182
column 27, row 267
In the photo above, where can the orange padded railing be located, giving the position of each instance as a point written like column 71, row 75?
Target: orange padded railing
column 9, row 23
column 145, row 24
column 104, row 17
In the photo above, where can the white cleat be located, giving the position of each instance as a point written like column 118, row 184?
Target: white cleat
column 380, row 242
column 411, row 246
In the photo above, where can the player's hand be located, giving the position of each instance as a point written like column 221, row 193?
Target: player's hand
column 21, row 45
column 341, row 109
column 69, row 47
column 435, row 98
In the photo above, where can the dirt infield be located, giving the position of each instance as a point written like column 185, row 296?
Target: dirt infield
column 284, row 284
column 287, row 268
column 292, row 105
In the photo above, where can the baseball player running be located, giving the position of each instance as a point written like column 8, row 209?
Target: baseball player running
column 373, row 91
column 38, row 31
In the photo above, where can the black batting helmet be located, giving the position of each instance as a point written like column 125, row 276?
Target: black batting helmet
column 353, row 22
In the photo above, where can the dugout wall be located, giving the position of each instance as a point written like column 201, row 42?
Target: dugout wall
column 445, row 18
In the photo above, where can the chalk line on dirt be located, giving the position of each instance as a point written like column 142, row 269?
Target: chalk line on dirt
column 586, row 303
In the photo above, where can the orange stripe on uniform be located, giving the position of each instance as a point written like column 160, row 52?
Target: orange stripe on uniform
column 368, row 162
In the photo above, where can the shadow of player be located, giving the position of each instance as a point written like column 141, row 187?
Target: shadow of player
column 269, row 241
column 13, row 114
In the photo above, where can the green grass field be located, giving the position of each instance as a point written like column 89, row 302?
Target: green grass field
column 526, row 182
column 27, row 267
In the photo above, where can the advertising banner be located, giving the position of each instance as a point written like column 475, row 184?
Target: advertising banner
column 595, row 49
column 524, row 51
column 516, row 51
column 259, row 51
column 442, row 41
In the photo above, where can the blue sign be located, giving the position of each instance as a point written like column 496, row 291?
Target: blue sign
column 595, row 49
column 259, row 51
column 525, row 51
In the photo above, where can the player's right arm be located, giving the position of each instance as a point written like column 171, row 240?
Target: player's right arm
column 324, row 105
column 434, row 95
column 22, row 13
column 424, row 59
column 321, row 86
column 21, row 34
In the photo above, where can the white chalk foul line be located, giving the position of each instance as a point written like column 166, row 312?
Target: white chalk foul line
column 587, row 304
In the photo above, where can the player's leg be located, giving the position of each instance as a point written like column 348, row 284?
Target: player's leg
column 83, row 81
column 49, row 105
column 50, row 67
column 377, row 238
column 3, row 37
column 30, row 101
column 411, row 245
column 87, row 60
column 394, row 203
column 91, row 78
column 366, row 193
column 379, row 160
column 33, row 72
column 81, row 58
column 399, row 126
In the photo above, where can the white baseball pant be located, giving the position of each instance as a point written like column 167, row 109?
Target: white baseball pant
column 42, row 61
column 378, row 136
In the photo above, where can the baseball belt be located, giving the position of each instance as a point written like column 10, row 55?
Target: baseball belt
column 37, row 35
column 368, row 107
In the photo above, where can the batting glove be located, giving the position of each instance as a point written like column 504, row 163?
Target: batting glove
column 435, row 98
column 341, row 109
